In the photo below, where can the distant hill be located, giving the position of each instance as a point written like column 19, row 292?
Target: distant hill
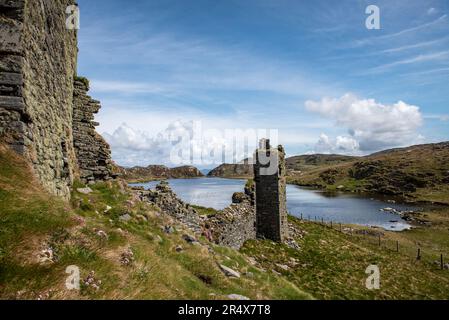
column 294, row 164
column 418, row 173
column 309, row 162
column 242, row 170
column 154, row 172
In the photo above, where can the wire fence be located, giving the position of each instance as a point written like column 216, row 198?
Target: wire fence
column 437, row 259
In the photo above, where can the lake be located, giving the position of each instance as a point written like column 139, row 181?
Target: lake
column 338, row 207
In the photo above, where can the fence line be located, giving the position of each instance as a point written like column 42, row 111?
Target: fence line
column 375, row 238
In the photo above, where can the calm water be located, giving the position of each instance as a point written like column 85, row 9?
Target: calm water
column 346, row 208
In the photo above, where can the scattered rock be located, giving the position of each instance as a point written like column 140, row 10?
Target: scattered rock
column 238, row 197
column 168, row 229
column 237, row 297
column 179, row 249
column 108, row 208
column 125, row 218
column 283, row 267
column 446, row 266
column 229, row 272
column 252, row 261
column 44, row 295
column 100, row 233
column 292, row 244
column 46, row 256
column 86, row 190
column 189, row 239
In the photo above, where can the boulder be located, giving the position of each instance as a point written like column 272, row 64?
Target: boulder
column 86, row 190
column 229, row 272
column 237, row 297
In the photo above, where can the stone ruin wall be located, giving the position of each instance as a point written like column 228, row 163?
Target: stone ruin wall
column 271, row 209
column 38, row 58
column 92, row 151
column 259, row 212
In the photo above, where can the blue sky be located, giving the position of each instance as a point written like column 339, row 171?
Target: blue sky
column 309, row 69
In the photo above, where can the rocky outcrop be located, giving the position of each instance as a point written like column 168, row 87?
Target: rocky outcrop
column 156, row 172
column 185, row 172
column 92, row 151
column 240, row 170
column 38, row 57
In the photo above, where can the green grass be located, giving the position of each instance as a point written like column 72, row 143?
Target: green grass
column 331, row 265
column 203, row 211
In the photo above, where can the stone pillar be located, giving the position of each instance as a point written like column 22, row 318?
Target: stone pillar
column 269, row 177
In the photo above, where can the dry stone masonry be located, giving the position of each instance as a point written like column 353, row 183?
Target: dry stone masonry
column 92, row 151
column 270, row 182
column 38, row 58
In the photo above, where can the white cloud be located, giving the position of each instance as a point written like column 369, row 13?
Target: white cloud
column 436, row 56
column 371, row 125
column 416, row 45
column 184, row 143
column 342, row 144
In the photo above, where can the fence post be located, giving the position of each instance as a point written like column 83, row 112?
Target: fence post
column 379, row 241
column 419, row 254
column 442, row 262
column 301, row 216
column 341, row 230
column 332, row 225
column 322, row 221
column 397, row 246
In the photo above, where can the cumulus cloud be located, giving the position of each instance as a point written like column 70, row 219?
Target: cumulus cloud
column 342, row 144
column 183, row 143
column 371, row 125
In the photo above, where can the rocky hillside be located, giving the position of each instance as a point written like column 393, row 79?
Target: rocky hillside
column 155, row 172
column 309, row 162
column 417, row 173
column 233, row 171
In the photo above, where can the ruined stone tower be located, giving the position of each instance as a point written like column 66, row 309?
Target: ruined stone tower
column 269, row 177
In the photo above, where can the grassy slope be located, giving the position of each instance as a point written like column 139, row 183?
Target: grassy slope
column 420, row 173
column 32, row 220
column 332, row 265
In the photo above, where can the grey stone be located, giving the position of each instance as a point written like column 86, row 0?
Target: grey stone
column 229, row 272
column 237, row 297
column 125, row 218
column 270, row 182
column 86, row 190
